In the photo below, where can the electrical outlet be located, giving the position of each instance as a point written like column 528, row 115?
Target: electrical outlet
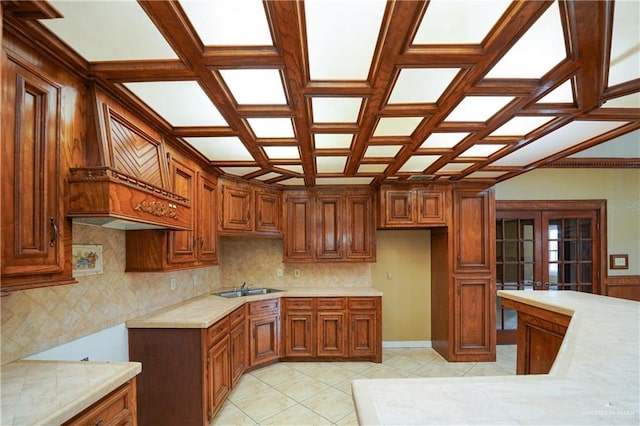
column 389, row 276
column 173, row 283
column 296, row 273
column 279, row 272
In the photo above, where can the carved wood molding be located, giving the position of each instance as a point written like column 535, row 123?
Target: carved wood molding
column 595, row 163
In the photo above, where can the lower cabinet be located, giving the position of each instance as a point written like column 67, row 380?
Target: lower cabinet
column 332, row 328
column 117, row 408
column 238, row 342
column 264, row 332
column 186, row 372
column 540, row 334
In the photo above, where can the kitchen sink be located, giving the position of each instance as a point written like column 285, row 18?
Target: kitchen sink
column 245, row 292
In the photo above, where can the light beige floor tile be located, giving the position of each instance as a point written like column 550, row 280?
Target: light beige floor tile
column 402, row 362
column 489, row 369
column 306, row 366
column 330, row 404
column 229, row 414
column 330, row 374
column 248, row 385
column 276, row 373
column 384, row 372
column 298, row 415
column 438, row 370
column 356, row 366
column 345, row 385
column 301, row 387
column 265, row 404
column 350, row 419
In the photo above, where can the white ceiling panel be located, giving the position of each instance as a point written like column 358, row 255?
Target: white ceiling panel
column 239, row 171
column 482, row 150
column 625, row 47
column 418, row 163
column 335, row 110
column 562, row 94
column 268, row 176
column 292, row 168
column 333, row 140
column 109, row 31
column 537, row 51
column 421, row 85
column 293, row 182
column 282, row 152
column 255, row 87
column 229, row 22
column 396, row 126
column 478, row 108
column 625, row 146
column 459, row 22
column 444, row 140
column 454, row 167
column 341, row 44
column 333, row 164
column 271, row 127
column 520, row 126
column 227, row 148
column 629, row 101
column 563, row 138
column 382, row 151
column 372, row 168
column 181, row 103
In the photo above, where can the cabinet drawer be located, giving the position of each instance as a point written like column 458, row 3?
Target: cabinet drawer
column 116, row 408
column 299, row 303
column 325, row 303
column 368, row 303
column 218, row 330
column 237, row 316
column 264, row 307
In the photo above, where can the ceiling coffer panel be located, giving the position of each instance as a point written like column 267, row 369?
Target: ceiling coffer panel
column 322, row 92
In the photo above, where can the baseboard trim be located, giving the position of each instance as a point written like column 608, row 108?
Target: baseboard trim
column 408, row 344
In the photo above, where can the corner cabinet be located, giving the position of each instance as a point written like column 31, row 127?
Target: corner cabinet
column 463, row 278
column 249, row 209
column 36, row 236
column 163, row 250
column 329, row 225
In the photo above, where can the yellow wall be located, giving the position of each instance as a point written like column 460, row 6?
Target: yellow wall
column 620, row 187
column 406, row 304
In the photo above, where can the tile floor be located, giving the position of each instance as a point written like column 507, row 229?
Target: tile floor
column 313, row 393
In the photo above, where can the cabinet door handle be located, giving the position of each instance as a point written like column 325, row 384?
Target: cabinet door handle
column 201, row 243
column 54, row 232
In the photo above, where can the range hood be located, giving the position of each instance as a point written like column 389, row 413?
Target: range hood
column 126, row 185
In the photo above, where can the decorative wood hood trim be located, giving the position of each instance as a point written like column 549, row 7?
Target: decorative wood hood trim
column 126, row 183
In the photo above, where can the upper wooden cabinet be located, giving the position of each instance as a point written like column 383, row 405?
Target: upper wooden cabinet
column 249, row 209
column 410, row 206
column 329, row 225
column 474, row 227
column 36, row 238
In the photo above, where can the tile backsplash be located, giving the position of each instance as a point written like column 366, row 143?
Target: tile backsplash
column 38, row 319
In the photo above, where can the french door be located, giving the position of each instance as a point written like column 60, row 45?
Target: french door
column 544, row 250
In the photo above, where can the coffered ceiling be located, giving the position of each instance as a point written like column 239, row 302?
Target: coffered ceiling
column 367, row 91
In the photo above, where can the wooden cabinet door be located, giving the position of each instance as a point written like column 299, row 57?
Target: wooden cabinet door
column 207, row 239
column 362, row 334
column 399, row 208
column 238, row 342
column 218, row 376
column 329, row 218
column 330, row 334
column 182, row 244
column 474, row 227
column 237, row 205
column 298, row 335
column 268, row 211
column 360, row 228
column 474, row 315
column 265, row 339
column 32, row 215
column 431, row 207
column 300, row 232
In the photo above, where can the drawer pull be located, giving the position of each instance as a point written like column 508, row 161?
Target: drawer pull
column 98, row 422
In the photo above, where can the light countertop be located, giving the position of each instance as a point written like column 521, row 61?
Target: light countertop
column 203, row 311
column 594, row 379
column 52, row 392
